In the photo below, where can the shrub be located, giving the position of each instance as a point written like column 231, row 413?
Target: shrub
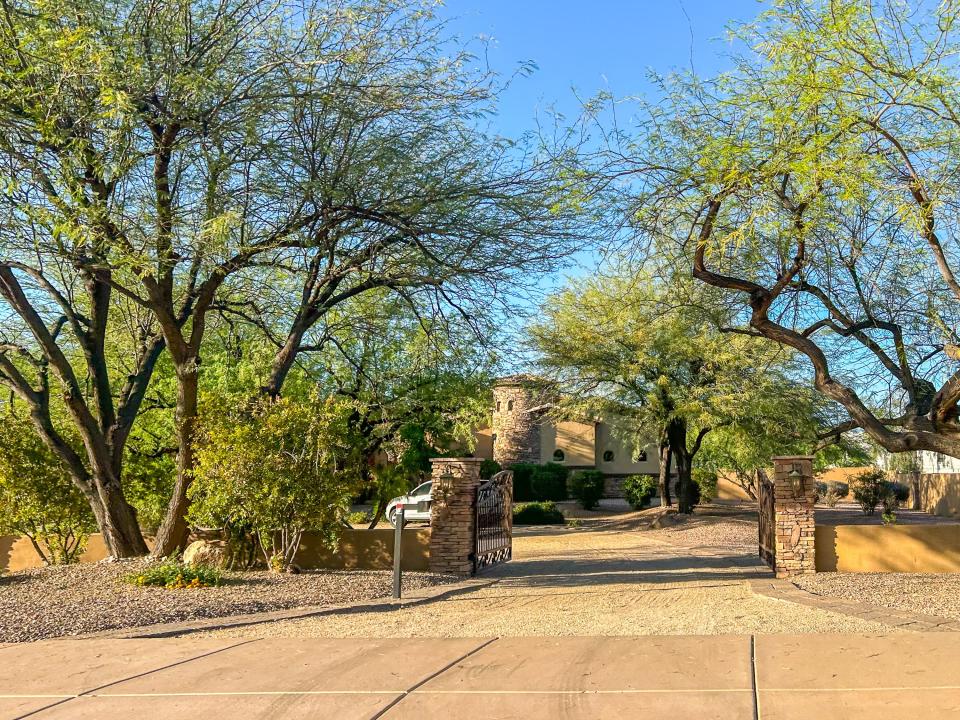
column 869, row 489
column 280, row 467
column 38, row 499
column 174, row 575
column 533, row 483
column 489, row 468
column 587, row 487
column 537, row 513
column 831, row 497
column 638, row 489
column 549, row 482
column 820, row 490
column 899, row 491
column 359, row 518
column 706, row 482
column 522, row 487
column 841, row 489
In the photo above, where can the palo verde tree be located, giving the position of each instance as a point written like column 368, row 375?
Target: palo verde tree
column 645, row 352
column 817, row 183
column 187, row 156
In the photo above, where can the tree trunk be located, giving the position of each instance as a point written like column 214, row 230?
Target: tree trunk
column 664, row 480
column 121, row 531
column 677, row 435
column 173, row 533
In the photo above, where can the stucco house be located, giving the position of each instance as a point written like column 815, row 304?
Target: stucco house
column 523, row 431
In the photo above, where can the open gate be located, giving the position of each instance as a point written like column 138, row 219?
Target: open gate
column 493, row 538
column 767, row 523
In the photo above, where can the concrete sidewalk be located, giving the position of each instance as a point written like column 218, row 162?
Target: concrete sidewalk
column 763, row 676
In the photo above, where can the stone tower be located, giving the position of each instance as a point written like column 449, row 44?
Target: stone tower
column 517, row 414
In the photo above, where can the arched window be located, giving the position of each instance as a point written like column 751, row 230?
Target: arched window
column 608, row 456
column 509, row 405
column 641, row 456
column 558, row 455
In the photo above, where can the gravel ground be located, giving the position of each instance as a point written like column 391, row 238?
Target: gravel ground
column 78, row 599
column 930, row 594
column 688, row 578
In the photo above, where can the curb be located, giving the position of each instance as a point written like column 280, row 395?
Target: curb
column 186, row 627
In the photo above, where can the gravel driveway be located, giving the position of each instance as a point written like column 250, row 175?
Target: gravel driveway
column 77, row 599
column 602, row 579
column 928, row 594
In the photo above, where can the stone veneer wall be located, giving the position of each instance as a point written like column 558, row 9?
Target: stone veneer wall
column 452, row 515
column 516, row 430
column 795, row 530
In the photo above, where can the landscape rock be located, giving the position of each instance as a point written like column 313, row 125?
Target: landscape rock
column 206, row 552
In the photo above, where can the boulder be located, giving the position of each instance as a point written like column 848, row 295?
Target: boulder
column 206, row 552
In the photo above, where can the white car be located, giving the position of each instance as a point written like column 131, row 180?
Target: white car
column 416, row 505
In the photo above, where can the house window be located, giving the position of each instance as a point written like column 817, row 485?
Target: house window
column 509, row 405
column 498, row 406
column 608, row 456
column 641, row 456
column 558, row 455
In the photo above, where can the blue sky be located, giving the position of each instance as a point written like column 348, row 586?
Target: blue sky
column 593, row 45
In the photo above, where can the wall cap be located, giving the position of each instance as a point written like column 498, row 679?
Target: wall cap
column 456, row 460
column 792, row 457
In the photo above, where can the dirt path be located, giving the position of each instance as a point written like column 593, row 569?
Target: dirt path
column 607, row 579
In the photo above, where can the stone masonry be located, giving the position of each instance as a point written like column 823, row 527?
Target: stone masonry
column 793, row 516
column 452, row 518
column 515, row 429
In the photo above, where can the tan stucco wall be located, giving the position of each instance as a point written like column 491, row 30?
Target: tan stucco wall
column 483, row 443
column 576, row 439
column 939, row 493
column 728, row 489
column 888, row 548
column 623, row 462
column 359, row 550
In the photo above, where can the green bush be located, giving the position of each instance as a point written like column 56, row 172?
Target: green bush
column 841, row 489
column 533, row 483
column 638, row 489
column 522, row 487
column 587, row 487
column 489, row 468
column 537, row 513
column 869, row 489
column 549, row 482
column 174, row 575
column 359, row 518
column 37, row 498
column 899, row 491
column 706, row 482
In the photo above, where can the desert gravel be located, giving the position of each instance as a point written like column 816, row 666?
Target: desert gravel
column 79, row 599
column 929, row 594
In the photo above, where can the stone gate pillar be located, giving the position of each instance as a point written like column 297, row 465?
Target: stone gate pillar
column 794, row 497
column 452, row 519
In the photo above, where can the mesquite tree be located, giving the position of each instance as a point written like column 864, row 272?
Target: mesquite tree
column 201, row 156
column 647, row 355
column 817, row 182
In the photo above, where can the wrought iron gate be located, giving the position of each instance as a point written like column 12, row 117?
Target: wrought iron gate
column 767, row 523
column 493, row 534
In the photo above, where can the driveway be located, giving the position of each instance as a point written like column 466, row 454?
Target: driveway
column 604, row 579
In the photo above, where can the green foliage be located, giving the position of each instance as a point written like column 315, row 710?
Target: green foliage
column 174, row 575
column 522, row 485
column 537, row 513
column 37, row 498
column 869, row 489
column 359, row 518
column 638, row 490
column 587, row 486
column 489, row 468
column 706, row 482
column 281, row 467
column 549, row 482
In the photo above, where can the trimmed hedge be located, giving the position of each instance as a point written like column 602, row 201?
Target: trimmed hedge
column 534, row 483
column 587, row 487
column 537, row 513
column 489, row 468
